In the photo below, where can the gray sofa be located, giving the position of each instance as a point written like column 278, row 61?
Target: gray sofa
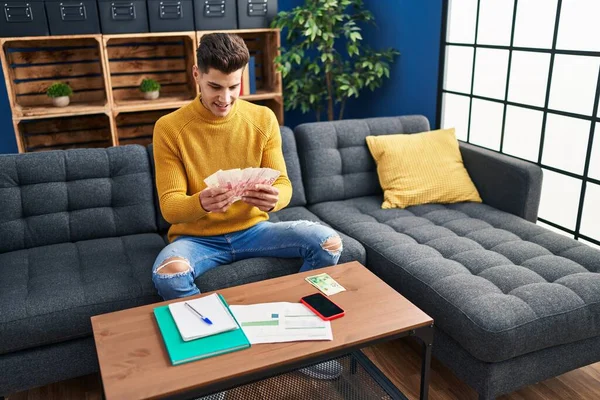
column 79, row 232
column 513, row 303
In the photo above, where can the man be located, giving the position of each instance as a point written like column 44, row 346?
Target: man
column 219, row 131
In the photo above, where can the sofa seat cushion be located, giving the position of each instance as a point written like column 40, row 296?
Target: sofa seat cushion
column 352, row 249
column 49, row 293
column 258, row 269
column 497, row 284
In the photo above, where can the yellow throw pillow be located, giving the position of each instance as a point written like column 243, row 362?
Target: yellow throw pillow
column 421, row 168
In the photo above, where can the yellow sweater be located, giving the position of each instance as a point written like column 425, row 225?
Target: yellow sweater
column 191, row 143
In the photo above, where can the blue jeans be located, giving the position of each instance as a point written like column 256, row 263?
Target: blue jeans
column 297, row 239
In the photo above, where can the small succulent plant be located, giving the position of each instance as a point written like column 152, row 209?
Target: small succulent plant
column 149, row 85
column 59, row 89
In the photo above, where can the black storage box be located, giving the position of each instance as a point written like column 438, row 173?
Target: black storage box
column 72, row 17
column 256, row 13
column 214, row 15
column 171, row 15
column 123, row 16
column 23, row 18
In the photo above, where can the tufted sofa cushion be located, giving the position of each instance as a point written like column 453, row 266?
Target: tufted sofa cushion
column 497, row 284
column 68, row 196
column 336, row 163
column 49, row 293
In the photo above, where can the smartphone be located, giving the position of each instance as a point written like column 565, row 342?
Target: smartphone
column 322, row 306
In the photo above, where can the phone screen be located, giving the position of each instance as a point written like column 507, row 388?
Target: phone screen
column 324, row 306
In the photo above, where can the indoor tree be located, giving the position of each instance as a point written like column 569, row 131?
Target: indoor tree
column 325, row 61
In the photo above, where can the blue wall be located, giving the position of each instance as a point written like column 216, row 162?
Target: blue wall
column 8, row 143
column 411, row 26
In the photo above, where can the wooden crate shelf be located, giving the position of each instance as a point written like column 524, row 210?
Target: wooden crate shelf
column 162, row 103
column 65, row 133
column 166, row 58
column 31, row 66
column 105, row 72
column 138, row 127
column 71, row 110
column 261, row 95
column 149, row 35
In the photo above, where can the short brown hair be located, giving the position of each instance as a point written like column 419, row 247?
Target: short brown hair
column 223, row 51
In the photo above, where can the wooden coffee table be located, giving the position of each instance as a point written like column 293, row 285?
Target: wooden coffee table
column 134, row 363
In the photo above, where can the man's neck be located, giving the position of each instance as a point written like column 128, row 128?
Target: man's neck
column 207, row 114
column 204, row 105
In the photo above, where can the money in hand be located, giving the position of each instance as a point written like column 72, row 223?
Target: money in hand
column 240, row 180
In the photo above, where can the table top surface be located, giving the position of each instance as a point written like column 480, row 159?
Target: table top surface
column 134, row 362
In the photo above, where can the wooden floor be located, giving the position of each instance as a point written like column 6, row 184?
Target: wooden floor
column 401, row 362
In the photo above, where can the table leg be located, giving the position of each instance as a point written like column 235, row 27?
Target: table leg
column 102, row 396
column 425, row 335
column 353, row 365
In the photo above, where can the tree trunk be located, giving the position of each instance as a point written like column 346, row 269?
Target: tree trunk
column 330, row 99
column 342, row 109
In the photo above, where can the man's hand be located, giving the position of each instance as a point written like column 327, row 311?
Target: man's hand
column 216, row 199
column 264, row 197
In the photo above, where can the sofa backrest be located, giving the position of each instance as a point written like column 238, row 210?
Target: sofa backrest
column 67, row 196
column 335, row 160
column 290, row 154
column 163, row 225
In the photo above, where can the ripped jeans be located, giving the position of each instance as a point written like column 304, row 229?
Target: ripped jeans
column 294, row 239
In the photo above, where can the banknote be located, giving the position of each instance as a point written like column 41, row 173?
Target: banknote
column 239, row 180
column 325, row 284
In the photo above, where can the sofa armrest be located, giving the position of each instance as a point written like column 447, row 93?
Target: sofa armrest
column 504, row 182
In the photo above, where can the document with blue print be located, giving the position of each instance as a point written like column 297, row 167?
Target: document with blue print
column 280, row 322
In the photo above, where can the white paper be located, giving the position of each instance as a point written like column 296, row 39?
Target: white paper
column 191, row 326
column 280, row 322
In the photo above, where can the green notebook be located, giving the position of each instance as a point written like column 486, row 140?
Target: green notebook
column 181, row 352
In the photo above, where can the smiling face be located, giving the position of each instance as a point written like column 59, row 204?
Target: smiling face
column 219, row 90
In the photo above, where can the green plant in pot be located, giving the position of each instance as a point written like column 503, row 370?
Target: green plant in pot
column 150, row 88
column 325, row 62
column 59, row 92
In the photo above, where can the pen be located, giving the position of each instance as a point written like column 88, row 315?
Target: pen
column 205, row 319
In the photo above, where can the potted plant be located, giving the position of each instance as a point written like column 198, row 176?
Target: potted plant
column 59, row 92
column 150, row 88
column 325, row 62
